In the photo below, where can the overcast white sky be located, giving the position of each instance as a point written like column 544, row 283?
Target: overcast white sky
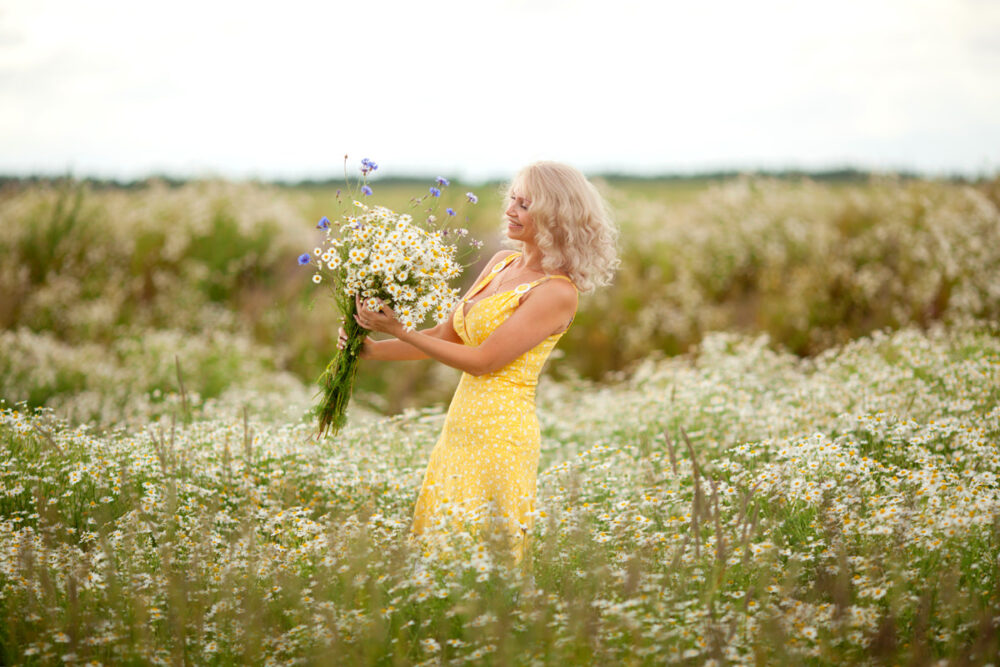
column 121, row 88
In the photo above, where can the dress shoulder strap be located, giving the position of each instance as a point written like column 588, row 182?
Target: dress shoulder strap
column 493, row 272
column 524, row 287
column 504, row 262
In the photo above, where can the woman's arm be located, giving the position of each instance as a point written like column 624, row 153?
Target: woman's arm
column 398, row 350
column 545, row 311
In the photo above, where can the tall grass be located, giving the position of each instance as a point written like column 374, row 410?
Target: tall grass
column 739, row 505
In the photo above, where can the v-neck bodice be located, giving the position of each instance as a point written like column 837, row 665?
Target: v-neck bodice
column 474, row 321
column 469, row 302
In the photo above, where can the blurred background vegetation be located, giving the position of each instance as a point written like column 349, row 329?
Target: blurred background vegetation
column 109, row 291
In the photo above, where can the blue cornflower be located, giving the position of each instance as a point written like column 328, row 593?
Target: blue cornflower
column 450, row 211
column 367, row 166
column 471, row 197
column 365, row 190
column 435, row 192
column 303, row 259
column 442, row 181
column 324, row 223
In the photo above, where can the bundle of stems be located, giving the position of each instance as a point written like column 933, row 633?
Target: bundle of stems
column 337, row 381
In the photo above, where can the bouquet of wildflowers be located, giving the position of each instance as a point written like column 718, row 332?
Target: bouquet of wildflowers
column 379, row 254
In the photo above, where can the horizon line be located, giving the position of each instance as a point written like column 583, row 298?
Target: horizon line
column 824, row 173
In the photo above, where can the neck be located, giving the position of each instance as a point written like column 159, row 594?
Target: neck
column 531, row 257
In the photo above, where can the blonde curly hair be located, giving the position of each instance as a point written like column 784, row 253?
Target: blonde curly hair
column 574, row 228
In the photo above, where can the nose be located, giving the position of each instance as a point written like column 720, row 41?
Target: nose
column 511, row 209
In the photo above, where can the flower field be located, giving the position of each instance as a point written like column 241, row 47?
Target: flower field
column 739, row 506
column 774, row 440
column 212, row 264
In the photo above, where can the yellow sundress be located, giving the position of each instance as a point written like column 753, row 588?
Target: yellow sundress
column 483, row 469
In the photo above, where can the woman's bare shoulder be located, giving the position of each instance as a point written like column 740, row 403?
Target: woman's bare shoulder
column 556, row 293
column 561, row 286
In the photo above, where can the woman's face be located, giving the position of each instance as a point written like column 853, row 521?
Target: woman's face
column 520, row 226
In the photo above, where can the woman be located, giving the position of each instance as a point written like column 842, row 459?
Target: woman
column 484, row 466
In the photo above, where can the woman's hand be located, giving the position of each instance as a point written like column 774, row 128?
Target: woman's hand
column 364, row 352
column 382, row 320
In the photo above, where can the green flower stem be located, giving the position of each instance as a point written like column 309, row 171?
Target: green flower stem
column 337, row 381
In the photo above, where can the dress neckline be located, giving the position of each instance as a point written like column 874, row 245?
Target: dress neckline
column 471, row 305
column 468, row 304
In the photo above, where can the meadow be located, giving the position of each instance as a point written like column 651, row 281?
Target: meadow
column 775, row 440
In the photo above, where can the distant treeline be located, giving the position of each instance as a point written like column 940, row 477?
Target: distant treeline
column 842, row 175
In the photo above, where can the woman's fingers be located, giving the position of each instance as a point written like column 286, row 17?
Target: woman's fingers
column 362, row 312
column 381, row 318
column 362, row 304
